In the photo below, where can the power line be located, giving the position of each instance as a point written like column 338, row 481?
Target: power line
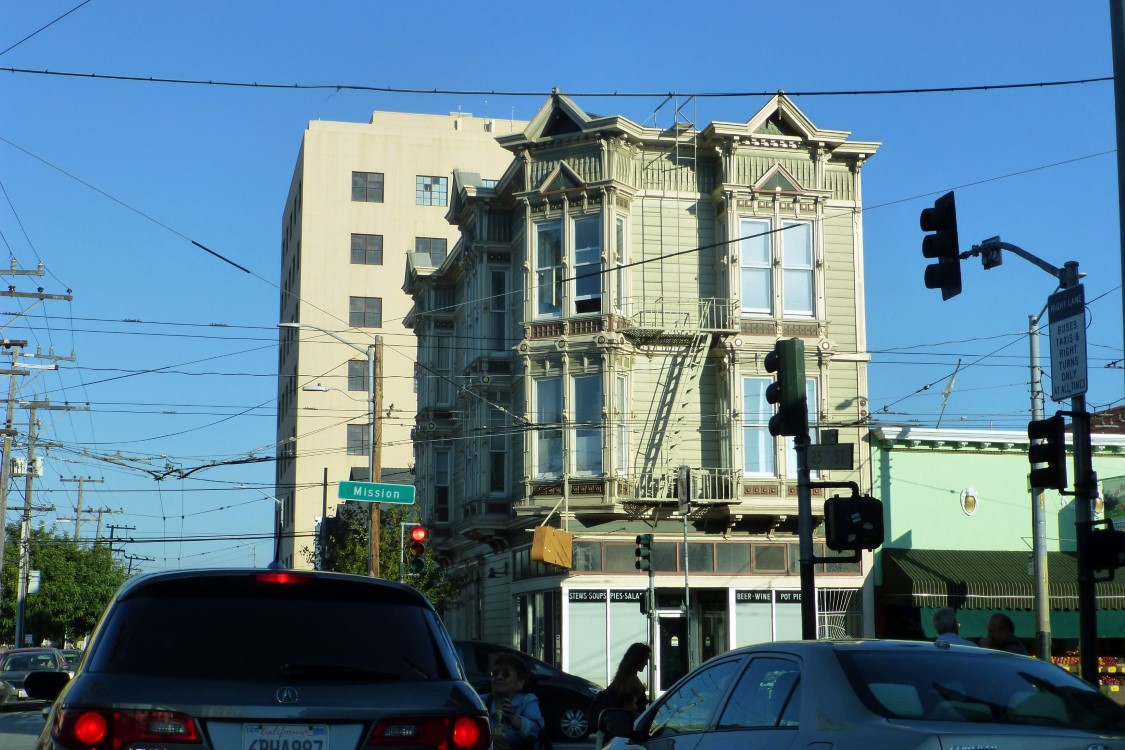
column 543, row 94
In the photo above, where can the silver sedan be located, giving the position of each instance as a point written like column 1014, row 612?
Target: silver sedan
column 864, row 695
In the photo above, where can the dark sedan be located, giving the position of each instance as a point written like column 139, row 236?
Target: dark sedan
column 17, row 663
column 564, row 699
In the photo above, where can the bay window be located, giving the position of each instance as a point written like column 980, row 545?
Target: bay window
column 791, row 248
column 588, row 424
column 548, row 420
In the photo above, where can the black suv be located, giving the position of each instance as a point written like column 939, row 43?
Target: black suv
column 258, row 659
column 564, row 699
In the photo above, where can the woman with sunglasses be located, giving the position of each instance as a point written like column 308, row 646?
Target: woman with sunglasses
column 516, row 719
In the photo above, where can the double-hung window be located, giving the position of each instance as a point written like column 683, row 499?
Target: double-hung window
column 620, row 259
column 498, row 312
column 588, row 264
column 497, row 451
column 588, row 424
column 443, row 458
column 759, row 459
column 548, row 422
column 797, row 269
column 578, row 241
column 759, row 449
column 755, row 259
column 548, row 269
column 621, row 456
column 791, row 248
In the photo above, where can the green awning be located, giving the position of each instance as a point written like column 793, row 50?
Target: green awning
column 985, row 579
column 1064, row 622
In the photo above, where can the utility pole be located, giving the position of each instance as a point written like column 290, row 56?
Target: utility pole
column 1038, row 510
column 25, row 532
column 9, row 432
column 78, row 511
column 374, row 455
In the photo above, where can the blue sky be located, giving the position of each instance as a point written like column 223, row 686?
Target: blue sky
column 108, row 183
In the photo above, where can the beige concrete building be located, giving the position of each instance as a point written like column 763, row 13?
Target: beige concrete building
column 363, row 196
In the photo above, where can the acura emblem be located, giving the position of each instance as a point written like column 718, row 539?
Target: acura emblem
column 287, row 695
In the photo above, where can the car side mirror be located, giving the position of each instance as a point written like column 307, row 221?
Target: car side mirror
column 616, row 722
column 45, row 685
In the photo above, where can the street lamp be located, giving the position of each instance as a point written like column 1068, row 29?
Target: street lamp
column 374, row 471
column 278, row 518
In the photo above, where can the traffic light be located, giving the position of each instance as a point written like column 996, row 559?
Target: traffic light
column 946, row 273
column 1051, row 451
column 418, row 537
column 788, row 391
column 853, row 523
column 1107, row 549
column 644, row 552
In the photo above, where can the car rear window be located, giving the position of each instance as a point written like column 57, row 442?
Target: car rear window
column 230, row 631
column 977, row 687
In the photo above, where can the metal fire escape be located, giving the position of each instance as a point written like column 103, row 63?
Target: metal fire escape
column 681, row 330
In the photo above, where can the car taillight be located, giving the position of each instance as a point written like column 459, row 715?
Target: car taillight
column 281, row 576
column 104, row 729
column 442, row 732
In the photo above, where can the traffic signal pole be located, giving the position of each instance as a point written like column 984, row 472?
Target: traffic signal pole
column 805, row 534
column 1066, row 310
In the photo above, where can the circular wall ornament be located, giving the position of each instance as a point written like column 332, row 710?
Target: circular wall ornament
column 969, row 500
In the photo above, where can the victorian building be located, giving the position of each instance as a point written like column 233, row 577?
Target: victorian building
column 590, row 360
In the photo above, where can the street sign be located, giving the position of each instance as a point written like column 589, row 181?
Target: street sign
column 371, row 492
column 838, row 456
column 1066, row 313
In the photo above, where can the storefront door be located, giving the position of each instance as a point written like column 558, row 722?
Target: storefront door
column 671, row 649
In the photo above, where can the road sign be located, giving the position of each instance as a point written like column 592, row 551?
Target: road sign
column 829, row 456
column 371, row 492
column 1066, row 313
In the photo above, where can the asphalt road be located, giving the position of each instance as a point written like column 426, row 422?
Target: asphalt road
column 18, row 729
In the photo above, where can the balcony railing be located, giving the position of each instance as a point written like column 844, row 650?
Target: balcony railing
column 708, row 485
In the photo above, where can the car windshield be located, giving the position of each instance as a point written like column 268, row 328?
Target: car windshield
column 262, row 634
column 948, row 686
column 27, row 662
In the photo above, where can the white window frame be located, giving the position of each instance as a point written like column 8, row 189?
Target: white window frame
column 443, row 369
column 756, row 413
column 443, row 512
column 549, row 424
column 753, row 268
column 588, row 424
column 548, row 275
column 587, row 263
column 798, row 269
column 621, row 259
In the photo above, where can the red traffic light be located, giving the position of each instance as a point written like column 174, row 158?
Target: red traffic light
column 419, row 534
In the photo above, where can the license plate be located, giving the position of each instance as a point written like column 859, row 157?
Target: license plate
column 284, row 737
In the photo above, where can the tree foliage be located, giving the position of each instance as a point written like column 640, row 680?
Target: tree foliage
column 76, row 582
column 345, row 542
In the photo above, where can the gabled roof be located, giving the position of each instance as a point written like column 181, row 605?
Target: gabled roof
column 782, row 120
column 559, row 115
column 562, row 177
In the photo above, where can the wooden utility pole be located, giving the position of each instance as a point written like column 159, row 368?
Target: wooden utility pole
column 78, row 511
column 9, row 432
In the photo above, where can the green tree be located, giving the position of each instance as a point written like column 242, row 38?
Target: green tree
column 345, row 542
column 76, row 582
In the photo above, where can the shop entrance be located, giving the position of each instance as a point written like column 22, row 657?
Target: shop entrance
column 671, row 661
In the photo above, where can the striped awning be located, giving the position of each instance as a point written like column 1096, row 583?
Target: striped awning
column 985, row 579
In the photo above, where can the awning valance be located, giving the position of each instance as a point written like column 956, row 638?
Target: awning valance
column 985, row 579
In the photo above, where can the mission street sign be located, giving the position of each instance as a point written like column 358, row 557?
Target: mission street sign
column 372, row 492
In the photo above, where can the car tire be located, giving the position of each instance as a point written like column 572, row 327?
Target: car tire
column 572, row 723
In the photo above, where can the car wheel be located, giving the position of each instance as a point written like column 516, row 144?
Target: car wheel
column 572, row 723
